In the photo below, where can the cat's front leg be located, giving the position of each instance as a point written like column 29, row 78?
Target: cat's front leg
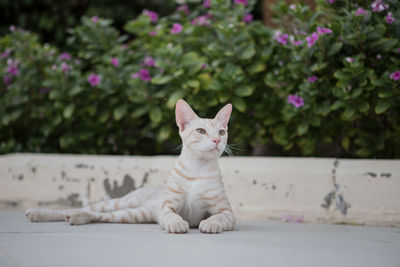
column 171, row 204
column 223, row 220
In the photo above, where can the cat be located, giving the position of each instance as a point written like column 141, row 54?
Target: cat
column 194, row 195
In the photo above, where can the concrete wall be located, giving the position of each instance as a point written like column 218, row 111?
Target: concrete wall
column 321, row 190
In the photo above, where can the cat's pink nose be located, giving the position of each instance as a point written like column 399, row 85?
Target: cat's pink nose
column 216, row 140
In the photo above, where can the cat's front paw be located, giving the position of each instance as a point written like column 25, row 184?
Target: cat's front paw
column 34, row 215
column 210, row 227
column 78, row 217
column 176, row 226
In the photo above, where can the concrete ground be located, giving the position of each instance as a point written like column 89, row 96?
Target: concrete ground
column 256, row 243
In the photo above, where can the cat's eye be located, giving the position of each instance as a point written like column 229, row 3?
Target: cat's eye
column 201, row 131
column 222, row 132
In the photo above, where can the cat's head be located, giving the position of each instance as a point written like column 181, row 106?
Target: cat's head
column 205, row 138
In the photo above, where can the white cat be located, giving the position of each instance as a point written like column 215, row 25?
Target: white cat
column 193, row 197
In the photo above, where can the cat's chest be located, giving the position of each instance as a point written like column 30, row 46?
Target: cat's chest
column 195, row 208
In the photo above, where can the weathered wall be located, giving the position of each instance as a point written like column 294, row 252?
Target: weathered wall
column 321, row 190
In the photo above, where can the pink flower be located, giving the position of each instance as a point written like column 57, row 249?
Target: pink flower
column 6, row 53
column 65, row 67
column 94, row 79
column 312, row 79
column 184, row 9
column 13, row 68
column 149, row 61
column 389, row 18
column 114, row 61
column 395, row 76
column 248, row 18
column 312, row 39
column 293, row 6
column 152, row 15
column 330, row 1
column 153, row 33
column 300, row 219
column 350, row 59
column 379, row 56
column 295, row 100
column 287, row 218
column 13, row 28
column 7, row 79
column 143, row 74
column 243, row 2
column 201, row 21
column 378, row 6
column 65, row 56
column 297, row 43
column 95, row 19
column 281, row 38
column 176, row 28
column 361, row 12
column 207, row 3
column 323, row 30
column 398, row 49
column 203, row 66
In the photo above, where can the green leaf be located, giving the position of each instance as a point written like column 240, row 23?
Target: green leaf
column 244, row 90
column 338, row 104
column 335, row 48
column 302, row 128
column 349, row 113
column 256, row 67
column 239, row 104
column 343, row 75
column 162, row 79
column 155, row 115
column 385, row 93
column 75, row 90
column 164, row 133
column 140, row 111
column 68, row 111
column 364, row 107
column 119, row 112
column 248, row 52
column 346, row 142
column 324, row 108
column 383, row 105
column 174, row 97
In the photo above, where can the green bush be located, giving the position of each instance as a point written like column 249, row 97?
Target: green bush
column 331, row 93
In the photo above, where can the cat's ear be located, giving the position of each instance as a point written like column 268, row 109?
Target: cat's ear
column 224, row 114
column 184, row 114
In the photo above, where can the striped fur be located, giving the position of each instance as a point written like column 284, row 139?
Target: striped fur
column 194, row 195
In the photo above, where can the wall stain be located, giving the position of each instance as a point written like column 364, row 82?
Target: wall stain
column 387, row 175
column 20, row 177
column 334, row 196
column 116, row 191
column 33, row 169
column 72, row 200
column 373, row 175
column 254, row 182
column 10, row 203
column 127, row 186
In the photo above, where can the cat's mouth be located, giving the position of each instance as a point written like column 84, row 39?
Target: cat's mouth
column 213, row 149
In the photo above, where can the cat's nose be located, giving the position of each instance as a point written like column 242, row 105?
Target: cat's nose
column 216, row 140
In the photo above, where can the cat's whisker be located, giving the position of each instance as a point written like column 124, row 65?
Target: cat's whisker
column 177, row 149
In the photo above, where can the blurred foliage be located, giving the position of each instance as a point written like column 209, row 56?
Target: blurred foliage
column 351, row 100
column 50, row 19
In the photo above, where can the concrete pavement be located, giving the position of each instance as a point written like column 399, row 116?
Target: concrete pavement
column 256, row 243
